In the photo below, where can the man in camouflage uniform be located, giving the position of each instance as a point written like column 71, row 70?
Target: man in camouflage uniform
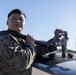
column 17, row 54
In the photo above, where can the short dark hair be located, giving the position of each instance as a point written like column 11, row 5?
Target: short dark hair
column 16, row 11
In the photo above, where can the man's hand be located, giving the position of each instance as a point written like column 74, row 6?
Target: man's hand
column 30, row 39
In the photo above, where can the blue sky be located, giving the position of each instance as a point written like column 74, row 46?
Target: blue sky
column 43, row 17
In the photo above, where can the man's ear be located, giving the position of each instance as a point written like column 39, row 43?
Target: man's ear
column 7, row 22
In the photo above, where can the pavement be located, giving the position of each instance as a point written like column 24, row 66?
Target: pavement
column 39, row 72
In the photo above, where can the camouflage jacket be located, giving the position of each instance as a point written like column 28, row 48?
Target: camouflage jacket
column 16, row 57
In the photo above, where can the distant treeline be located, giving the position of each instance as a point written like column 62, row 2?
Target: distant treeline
column 59, row 50
column 71, row 51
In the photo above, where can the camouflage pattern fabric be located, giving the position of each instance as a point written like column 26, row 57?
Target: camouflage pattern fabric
column 16, row 57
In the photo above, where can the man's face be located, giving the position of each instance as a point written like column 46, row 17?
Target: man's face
column 16, row 22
